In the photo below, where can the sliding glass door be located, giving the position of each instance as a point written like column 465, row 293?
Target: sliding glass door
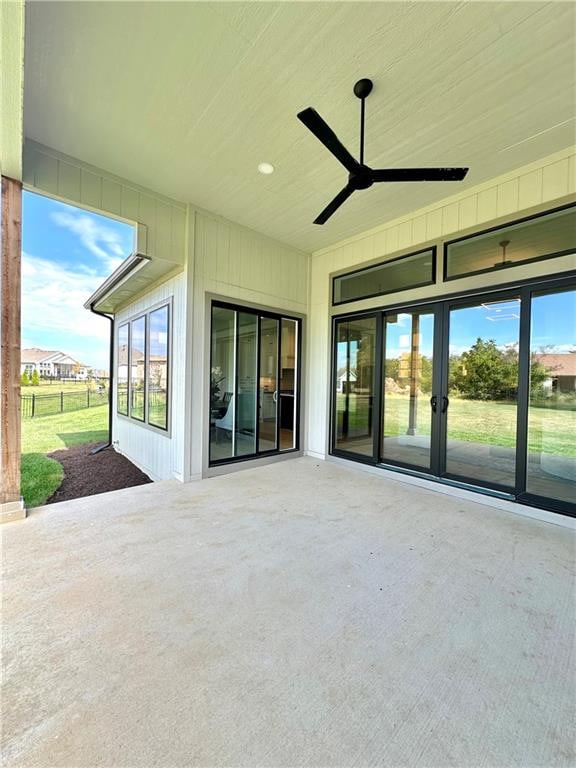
column 355, row 382
column 480, row 401
column 408, row 369
column 478, row 391
column 253, row 383
column 551, row 418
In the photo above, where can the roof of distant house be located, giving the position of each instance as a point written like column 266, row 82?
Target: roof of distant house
column 137, row 355
column 36, row 355
column 559, row 364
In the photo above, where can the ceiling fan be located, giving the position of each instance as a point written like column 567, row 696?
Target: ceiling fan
column 361, row 176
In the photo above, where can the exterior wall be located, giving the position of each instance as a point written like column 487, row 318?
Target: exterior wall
column 160, row 455
column 162, row 231
column 533, row 188
column 235, row 263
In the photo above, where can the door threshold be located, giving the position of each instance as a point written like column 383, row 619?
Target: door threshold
column 469, row 493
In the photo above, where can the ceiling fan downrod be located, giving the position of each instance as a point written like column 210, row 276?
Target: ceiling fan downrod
column 362, row 89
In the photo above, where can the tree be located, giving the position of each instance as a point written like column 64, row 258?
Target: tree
column 486, row 372
column 35, row 381
column 24, row 380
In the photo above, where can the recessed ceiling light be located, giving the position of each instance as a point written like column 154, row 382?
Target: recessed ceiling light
column 266, row 168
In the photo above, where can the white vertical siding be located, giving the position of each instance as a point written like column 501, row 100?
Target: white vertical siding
column 238, row 264
column 75, row 182
column 547, row 183
column 160, row 455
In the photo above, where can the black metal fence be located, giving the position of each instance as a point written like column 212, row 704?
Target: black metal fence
column 61, row 402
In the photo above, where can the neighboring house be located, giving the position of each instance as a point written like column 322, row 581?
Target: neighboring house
column 561, row 371
column 52, row 364
column 345, row 381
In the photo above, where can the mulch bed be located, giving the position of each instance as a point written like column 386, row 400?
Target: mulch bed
column 87, row 473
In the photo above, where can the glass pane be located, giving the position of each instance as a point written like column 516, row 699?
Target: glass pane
column 288, row 384
column 355, row 352
column 137, row 369
column 122, row 370
column 245, row 426
column 222, row 379
column 395, row 275
column 408, row 388
column 551, row 469
column 552, row 233
column 483, row 388
column 158, row 368
column 268, row 383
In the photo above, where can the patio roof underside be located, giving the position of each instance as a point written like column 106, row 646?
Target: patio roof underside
column 187, row 98
column 296, row 614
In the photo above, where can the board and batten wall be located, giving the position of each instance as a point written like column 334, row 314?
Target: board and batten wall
column 231, row 262
column 162, row 221
column 530, row 189
column 160, row 455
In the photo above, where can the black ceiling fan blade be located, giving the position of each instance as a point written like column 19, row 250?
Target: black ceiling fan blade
column 419, row 174
column 333, row 205
column 326, row 135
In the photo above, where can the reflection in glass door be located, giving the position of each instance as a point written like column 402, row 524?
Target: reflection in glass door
column 551, row 450
column 478, row 391
column 253, row 383
column 268, row 385
column 407, row 388
column 287, row 389
column 480, row 406
column 354, row 385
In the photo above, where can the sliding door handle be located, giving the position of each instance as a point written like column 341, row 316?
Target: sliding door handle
column 434, row 403
column 445, row 404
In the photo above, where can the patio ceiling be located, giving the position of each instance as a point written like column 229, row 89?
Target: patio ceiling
column 188, row 98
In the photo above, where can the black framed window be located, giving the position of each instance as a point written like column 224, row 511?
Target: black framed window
column 143, row 367
column 122, row 369
column 413, row 270
column 138, row 368
column 157, row 356
column 543, row 236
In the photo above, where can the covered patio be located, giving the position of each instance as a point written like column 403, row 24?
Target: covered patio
column 301, row 613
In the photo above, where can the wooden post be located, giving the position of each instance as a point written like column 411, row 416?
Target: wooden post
column 11, row 506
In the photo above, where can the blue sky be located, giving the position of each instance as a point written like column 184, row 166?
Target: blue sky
column 67, row 252
column 553, row 327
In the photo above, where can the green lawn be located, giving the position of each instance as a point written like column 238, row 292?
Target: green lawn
column 55, row 387
column 41, row 476
column 476, row 421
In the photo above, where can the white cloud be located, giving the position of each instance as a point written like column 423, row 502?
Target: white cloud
column 102, row 241
column 53, row 315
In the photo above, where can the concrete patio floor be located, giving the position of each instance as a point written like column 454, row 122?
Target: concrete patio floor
column 299, row 614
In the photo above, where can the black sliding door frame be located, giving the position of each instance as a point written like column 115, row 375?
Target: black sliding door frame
column 444, row 392
column 376, row 388
column 259, row 314
column 441, row 307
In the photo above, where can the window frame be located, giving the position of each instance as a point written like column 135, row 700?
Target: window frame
column 168, row 307
column 431, row 249
column 166, row 431
column 117, row 365
column 542, row 214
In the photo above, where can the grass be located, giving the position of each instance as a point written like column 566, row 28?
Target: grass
column 48, row 387
column 42, row 476
column 550, row 431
